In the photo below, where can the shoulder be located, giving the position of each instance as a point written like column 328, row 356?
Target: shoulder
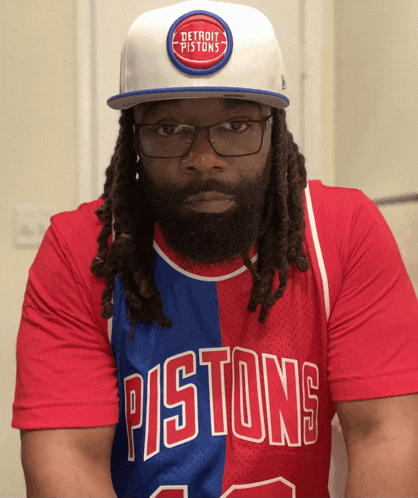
column 81, row 222
column 64, row 259
column 353, row 237
column 337, row 200
column 68, row 248
column 74, row 233
column 73, row 240
column 345, row 216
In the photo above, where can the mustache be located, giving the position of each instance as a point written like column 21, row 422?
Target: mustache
column 199, row 187
column 208, row 186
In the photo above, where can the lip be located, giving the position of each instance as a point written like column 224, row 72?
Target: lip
column 208, row 196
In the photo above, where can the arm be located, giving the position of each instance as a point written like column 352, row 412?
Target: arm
column 68, row 462
column 381, row 436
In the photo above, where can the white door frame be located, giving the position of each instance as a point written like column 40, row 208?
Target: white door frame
column 311, row 142
column 86, row 186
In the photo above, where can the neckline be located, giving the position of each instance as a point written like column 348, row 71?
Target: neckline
column 209, row 272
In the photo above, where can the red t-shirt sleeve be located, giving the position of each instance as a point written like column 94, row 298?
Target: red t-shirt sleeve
column 66, row 372
column 373, row 324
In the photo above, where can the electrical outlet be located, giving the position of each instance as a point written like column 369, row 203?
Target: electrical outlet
column 31, row 223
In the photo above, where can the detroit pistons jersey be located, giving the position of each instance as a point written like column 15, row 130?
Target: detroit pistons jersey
column 219, row 404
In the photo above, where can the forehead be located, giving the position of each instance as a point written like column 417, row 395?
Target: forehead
column 195, row 106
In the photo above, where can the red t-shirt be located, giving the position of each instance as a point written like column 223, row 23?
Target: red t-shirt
column 66, row 373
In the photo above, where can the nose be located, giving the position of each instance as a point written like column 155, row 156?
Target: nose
column 202, row 156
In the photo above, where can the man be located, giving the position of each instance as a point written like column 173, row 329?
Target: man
column 246, row 305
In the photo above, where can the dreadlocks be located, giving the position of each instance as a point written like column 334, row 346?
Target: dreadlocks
column 131, row 254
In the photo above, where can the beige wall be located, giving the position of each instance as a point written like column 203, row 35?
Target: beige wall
column 328, row 93
column 38, row 152
column 376, row 109
column 376, row 96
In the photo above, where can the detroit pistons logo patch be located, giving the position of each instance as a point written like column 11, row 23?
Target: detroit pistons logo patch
column 199, row 43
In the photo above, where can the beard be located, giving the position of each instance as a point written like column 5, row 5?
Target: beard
column 209, row 238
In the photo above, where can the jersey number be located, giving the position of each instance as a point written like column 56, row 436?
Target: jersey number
column 277, row 488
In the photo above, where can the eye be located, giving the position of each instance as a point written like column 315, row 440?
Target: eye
column 168, row 130
column 236, row 126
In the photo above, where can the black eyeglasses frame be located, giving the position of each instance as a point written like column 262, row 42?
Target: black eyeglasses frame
column 264, row 124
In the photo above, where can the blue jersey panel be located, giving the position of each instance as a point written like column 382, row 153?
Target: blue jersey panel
column 183, row 451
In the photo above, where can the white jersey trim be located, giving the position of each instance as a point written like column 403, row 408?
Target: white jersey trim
column 199, row 277
column 318, row 250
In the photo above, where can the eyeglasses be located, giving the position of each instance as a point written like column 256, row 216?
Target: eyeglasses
column 230, row 138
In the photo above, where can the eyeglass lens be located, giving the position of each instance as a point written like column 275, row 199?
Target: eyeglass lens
column 228, row 139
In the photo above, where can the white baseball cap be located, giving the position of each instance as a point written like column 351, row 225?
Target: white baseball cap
column 201, row 49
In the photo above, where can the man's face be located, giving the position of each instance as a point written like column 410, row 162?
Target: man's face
column 208, row 206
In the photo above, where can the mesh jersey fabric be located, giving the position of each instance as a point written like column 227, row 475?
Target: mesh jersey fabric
column 272, row 388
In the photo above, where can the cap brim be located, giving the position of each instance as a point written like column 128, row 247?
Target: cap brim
column 130, row 99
